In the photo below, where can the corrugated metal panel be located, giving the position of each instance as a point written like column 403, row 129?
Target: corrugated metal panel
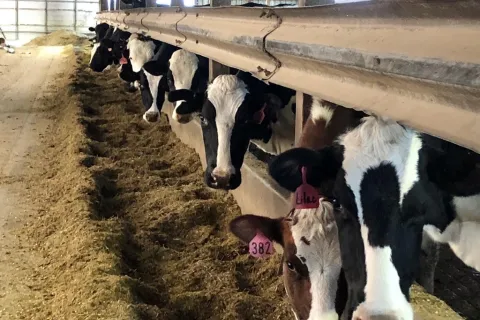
column 26, row 19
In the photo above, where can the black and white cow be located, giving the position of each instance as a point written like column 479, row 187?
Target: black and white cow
column 187, row 78
column 156, row 76
column 151, row 59
column 109, row 50
column 390, row 183
column 238, row 108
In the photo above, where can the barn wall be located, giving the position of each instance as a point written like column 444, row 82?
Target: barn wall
column 26, row 19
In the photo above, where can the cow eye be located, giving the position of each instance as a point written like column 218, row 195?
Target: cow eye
column 203, row 120
column 336, row 204
column 290, row 266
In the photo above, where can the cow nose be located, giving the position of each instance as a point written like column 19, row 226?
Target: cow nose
column 221, row 178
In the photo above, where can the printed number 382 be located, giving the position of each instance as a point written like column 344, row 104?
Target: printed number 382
column 261, row 248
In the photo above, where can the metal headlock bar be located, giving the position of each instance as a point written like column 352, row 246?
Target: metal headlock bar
column 415, row 61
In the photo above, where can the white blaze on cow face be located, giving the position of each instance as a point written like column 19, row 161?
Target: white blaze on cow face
column 315, row 235
column 140, row 52
column 377, row 141
column 183, row 65
column 320, row 111
column 152, row 113
column 92, row 52
column 226, row 93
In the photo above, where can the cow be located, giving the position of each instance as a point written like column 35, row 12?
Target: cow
column 108, row 51
column 237, row 108
column 151, row 59
column 385, row 188
column 187, row 78
column 311, row 263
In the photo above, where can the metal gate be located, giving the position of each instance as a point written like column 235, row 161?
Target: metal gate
column 26, row 19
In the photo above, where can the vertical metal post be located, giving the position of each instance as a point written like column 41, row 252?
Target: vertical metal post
column 46, row 16
column 300, row 110
column 75, row 16
column 17, row 31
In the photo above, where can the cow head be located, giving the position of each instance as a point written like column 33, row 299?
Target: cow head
column 380, row 226
column 187, row 80
column 237, row 109
column 101, row 55
column 311, row 263
column 141, row 50
column 100, row 31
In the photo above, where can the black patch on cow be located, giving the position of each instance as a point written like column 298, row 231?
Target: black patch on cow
column 452, row 168
column 155, row 68
column 147, row 98
column 351, row 245
column 341, row 296
column 210, row 139
column 304, row 240
column 380, row 197
column 181, row 94
column 389, row 224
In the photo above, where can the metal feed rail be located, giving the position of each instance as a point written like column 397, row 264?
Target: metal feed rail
column 417, row 62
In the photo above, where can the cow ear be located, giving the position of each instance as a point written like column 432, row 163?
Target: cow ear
column 322, row 165
column 272, row 105
column 246, row 227
column 91, row 29
column 181, row 94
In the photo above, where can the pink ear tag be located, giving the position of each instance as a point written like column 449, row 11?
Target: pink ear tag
column 306, row 196
column 260, row 246
column 259, row 116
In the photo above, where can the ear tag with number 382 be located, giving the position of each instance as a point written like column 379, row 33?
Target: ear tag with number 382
column 260, row 246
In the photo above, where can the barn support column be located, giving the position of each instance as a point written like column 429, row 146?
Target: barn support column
column 75, row 16
column 104, row 5
column 299, row 115
column 46, row 17
column 214, row 68
column 17, row 31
